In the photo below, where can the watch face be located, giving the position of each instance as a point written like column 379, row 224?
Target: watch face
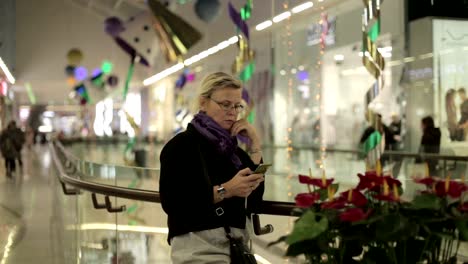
column 221, row 190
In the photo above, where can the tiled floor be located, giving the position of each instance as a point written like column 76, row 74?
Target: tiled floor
column 26, row 211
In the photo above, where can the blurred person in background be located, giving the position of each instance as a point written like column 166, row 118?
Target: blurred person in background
column 430, row 143
column 451, row 111
column 463, row 122
column 10, row 145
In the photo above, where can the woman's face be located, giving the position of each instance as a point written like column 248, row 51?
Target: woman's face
column 223, row 106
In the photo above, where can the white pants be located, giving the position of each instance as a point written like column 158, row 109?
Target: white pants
column 204, row 247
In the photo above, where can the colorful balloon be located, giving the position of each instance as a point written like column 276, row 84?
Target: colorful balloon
column 74, row 56
column 70, row 70
column 114, row 26
column 207, row 10
column 112, row 80
column 81, row 73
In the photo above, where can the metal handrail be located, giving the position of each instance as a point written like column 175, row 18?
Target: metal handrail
column 105, row 189
column 387, row 153
column 268, row 207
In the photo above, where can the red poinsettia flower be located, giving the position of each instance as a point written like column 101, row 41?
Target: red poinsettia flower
column 354, row 215
column 370, row 181
column 452, row 188
column 355, row 197
column 338, row 203
column 392, row 181
column 428, row 181
column 463, row 207
column 319, row 182
column 305, row 200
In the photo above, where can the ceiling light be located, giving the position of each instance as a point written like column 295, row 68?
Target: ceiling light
column 302, row 7
column 233, row 40
column 385, row 49
column 339, row 57
column 409, row 59
column 163, row 74
column 263, row 25
column 7, row 72
column 387, row 54
column 281, row 16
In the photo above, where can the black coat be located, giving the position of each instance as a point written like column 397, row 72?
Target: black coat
column 186, row 192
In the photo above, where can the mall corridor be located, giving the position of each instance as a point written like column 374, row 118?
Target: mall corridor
column 359, row 109
column 26, row 211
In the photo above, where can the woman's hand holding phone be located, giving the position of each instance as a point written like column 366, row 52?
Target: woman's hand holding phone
column 243, row 183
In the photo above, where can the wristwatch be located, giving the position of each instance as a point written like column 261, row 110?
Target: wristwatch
column 221, row 191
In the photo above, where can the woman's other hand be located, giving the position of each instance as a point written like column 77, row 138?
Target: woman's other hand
column 243, row 183
column 244, row 128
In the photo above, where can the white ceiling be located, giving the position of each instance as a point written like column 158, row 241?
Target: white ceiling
column 46, row 30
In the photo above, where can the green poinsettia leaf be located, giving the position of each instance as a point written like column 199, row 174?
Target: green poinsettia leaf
column 427, row 201
column 308, row 227
column 394, row 227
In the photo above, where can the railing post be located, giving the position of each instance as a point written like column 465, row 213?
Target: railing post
column 96, row 204
column 258, row 229
column 111, row 209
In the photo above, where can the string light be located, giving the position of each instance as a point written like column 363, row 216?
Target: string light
column 290, row 149
column 323, row 22
column 288, row 44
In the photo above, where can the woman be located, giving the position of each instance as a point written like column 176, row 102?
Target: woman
column 451, row 110
column 430, row 143
column 206, row 178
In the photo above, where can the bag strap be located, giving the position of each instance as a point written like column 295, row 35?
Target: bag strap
column 219, row 210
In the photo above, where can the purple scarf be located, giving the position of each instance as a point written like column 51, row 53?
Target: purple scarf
column 218, row 136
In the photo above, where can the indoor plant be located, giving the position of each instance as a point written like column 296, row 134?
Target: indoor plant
column 372, row 224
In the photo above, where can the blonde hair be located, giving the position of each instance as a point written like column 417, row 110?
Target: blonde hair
column 216, row 81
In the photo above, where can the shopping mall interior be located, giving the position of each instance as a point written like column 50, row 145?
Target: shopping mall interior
column 332, row 88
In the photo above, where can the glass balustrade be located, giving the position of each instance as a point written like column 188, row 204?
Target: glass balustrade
column 139, row 231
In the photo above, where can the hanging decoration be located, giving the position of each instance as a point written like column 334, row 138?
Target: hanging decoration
column 375, row 64
column 70, row 70
column 112, row 80
column 135, row 38
column 185, row 77
column 80, row 73
column 207, row 10
column 244, row 64
column 81, row 82
column 176, row 36
column 82, row 92
column 74, row 56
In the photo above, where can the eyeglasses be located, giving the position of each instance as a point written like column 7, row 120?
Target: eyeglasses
column 227, row 106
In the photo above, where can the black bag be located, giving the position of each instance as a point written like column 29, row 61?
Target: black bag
column 239, row 252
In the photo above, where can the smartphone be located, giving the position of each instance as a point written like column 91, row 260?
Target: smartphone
column 262, row 168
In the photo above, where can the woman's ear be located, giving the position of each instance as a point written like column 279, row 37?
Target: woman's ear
column 202, row 101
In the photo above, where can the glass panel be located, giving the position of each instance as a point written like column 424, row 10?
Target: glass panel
column 97, row 234
column 140, row 231
column 64, row 217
